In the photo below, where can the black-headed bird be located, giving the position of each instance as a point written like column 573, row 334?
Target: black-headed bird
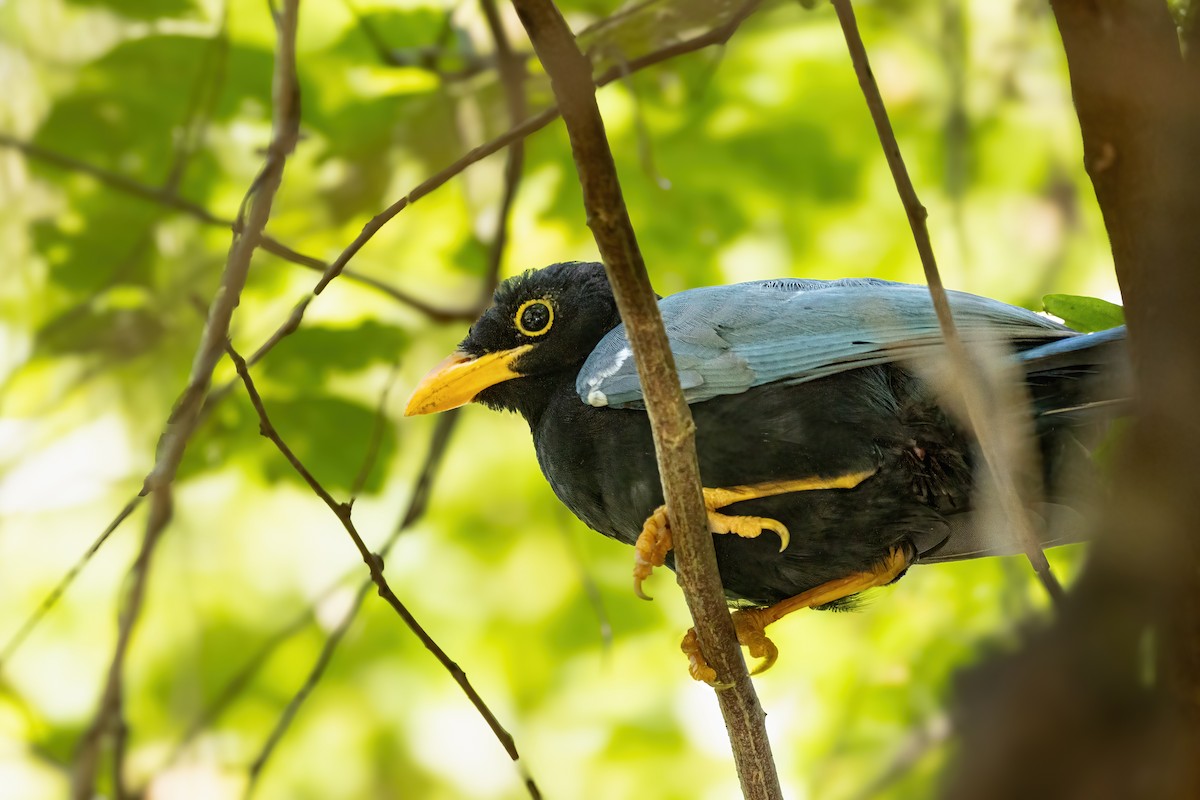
column 829, row 462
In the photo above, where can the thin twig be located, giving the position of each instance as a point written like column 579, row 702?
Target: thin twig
column 417, row 503
column 254, row 773
column 241, row 679
column 914, row 747
column 424, row 57
column 590, row 589
column 716, row 36
column 108, row 721
column 202, row 104
column 374, row 564
column 971, row 382
column 512, row 76
column 167, row 196
column 51, row 599
column 670, row 418
column 375, row 441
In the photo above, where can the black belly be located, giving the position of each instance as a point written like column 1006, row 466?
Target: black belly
column 601, row 464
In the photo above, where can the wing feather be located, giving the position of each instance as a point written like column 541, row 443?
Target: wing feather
column 727, row 339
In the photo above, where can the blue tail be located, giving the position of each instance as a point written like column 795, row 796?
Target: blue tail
column 1077, row 386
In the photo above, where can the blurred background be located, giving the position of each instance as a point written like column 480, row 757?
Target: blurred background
column 129, row 132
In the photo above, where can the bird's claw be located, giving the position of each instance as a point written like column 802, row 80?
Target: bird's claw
column 750, row 627
column 654, row 542
column 748, row 527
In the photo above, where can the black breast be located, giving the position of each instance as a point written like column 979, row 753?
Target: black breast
column 601, row 464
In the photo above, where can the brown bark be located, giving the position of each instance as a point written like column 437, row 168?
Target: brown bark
column 674, row 432
column 1106, row 703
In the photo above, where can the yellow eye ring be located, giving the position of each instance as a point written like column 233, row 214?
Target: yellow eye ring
column 529, row 326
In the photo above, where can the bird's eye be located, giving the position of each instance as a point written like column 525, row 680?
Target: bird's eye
column 534, row 317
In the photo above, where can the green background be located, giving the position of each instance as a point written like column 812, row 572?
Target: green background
column 750, row 161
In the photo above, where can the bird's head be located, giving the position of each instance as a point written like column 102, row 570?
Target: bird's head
column 539, row 325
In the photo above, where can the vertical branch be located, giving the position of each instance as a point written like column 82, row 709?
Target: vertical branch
column 1138, row 101
column 108, row 723
column 971, row 382
column 1113, row 688
column 512, row 77
column 670, row 419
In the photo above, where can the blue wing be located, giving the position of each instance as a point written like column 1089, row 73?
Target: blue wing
column 727, row 339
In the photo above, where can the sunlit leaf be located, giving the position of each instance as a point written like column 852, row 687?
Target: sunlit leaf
column 331, row 437
column 142, row 9
column 117, row 331
column 311, row 354
column 1084, row 313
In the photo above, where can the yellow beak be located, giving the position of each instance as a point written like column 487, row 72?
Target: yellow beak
column 457, row 380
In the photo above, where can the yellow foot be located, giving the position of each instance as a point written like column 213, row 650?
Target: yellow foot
column 654, row 542
column 751, row 623
column 751, row 634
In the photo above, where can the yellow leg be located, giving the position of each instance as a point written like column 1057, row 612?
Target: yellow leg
column 750, row 623
column 654, row 542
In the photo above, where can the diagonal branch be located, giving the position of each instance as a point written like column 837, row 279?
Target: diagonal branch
column 415, row 510
column 50, row 600
column 670, row 418
column 512, row 75
column 374, row 564
column 108, row 722
column 972, row 383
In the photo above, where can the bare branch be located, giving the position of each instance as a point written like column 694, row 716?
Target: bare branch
column 241, row 679
column 926, row 737
column 254, row 773
column 417, row 502
column 971, row 380
column 512, row 75
column 108, row 722
column 590, row 589
column 375, row 441
column 670, row 418
column 374, row 564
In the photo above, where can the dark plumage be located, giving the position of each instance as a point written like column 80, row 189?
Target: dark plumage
column 786, row 380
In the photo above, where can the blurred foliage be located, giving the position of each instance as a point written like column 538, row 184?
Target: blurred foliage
column 749, row 161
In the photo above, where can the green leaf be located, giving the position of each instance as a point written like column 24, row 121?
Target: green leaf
column 1085, row 314
column 106, row 243
column 141, row 9
column 111, row 121
column 331, row 436
column 116, row 325
column 309, row 355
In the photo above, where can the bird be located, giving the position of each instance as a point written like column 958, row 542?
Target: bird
column 830, row 459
